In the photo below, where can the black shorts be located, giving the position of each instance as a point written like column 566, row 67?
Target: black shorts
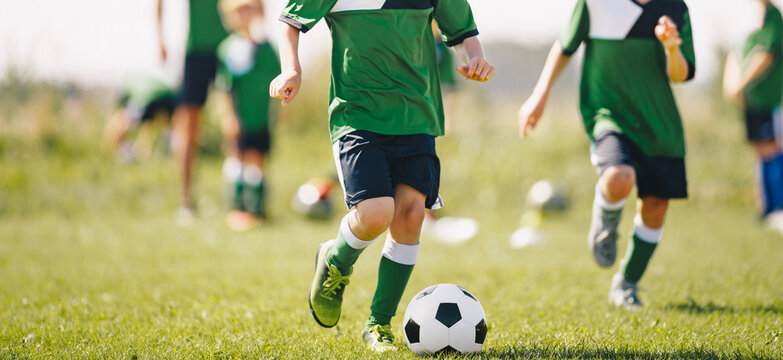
column 260, row 141
column 656, row 176
column 200, row 69
column 370, row 165
column 760, row 124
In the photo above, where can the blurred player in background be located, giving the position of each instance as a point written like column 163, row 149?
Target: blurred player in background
column 206, row 31
column 754, row 78
column 631, row 117
column 247, row 65
column 385, row 111
column 146, row 102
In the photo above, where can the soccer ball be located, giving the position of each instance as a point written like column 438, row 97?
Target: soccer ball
column 312, row 199
column 548, row 196
column 444, row 318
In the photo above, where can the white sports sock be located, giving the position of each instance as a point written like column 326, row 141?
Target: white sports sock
column 603, row 203
column 645, row 233
column 252, row 175
column 350, row 238
column 400, row 253
column 232, row 169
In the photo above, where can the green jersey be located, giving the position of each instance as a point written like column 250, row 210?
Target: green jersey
column 384, row 65
column 766, row 92
column 245, row 70
column 625, row 85
column 206, row 28
column 448, row 78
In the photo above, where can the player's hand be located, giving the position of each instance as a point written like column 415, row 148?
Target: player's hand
column 667, row 33
column 530, row 112
column 477, row 69
column 285, row 86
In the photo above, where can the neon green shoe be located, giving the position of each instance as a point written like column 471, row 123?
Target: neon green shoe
column 326, row 292
column 379, row 338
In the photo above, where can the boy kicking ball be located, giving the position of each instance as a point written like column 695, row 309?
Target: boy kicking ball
column 247, row 63
column 634, row 49
column 385, row 111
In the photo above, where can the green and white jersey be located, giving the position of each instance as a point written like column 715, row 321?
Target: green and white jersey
column 206, row 28
column 766, row 92
column 625, row 86
column 384, row 66
column 245, row 70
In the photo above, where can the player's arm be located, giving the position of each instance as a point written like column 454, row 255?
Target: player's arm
column 533, row 108
column 286, row 85
column 472, row 54
column 735, row 81
column 676, row 65
column 159, row 21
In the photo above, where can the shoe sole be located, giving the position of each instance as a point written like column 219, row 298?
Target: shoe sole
column 310, row 304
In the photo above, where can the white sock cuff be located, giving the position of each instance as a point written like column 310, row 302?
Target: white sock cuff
column 232, row 169
column 252, row 175
column 350, row 238
column 400, row 253
column 645, row 233
column 606, row 205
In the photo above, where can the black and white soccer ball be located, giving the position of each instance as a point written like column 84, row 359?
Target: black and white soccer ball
column 444, row 318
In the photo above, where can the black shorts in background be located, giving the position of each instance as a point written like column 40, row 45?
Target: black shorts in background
column 370, row 165
column 656, row 176
column 200, row 70
column 260, row 141
column 759, row 125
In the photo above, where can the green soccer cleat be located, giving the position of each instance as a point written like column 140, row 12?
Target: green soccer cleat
column 602, row 238
column 326, row 292
column 624, row 293
column 379, row 338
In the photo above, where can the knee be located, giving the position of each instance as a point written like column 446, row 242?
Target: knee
column 653, row 211
column 411, row 217
column 375, row 215
column 618, row 181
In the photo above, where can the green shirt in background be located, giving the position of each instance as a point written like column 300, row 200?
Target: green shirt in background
column 384, row 66
column 766, row 92
column 206, row 29
column 625, row 85
column 140, row 92
column 245, row 70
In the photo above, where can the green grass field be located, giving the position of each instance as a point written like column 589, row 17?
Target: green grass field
column 92, row 265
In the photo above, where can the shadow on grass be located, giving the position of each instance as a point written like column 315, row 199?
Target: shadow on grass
column 695, row 307
column 609, row 353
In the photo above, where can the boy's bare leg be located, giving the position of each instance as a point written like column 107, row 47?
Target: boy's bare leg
column 613, row 187
column 186, row 122
column 399, row 256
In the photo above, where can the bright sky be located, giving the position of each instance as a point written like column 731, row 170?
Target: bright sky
column 100, row 41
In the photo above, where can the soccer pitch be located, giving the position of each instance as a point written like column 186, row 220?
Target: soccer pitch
column 92, row 265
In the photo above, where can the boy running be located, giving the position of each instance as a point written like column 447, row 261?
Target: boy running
column 755, row 80
column 247, row 65
column 385, row 111
column 630, row 115
column 205, row 33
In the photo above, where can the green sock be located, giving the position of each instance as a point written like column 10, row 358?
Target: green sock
column 392, row 279
column 234, row 195
column 636, row 259
column 252, row 198
column 342, row 254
